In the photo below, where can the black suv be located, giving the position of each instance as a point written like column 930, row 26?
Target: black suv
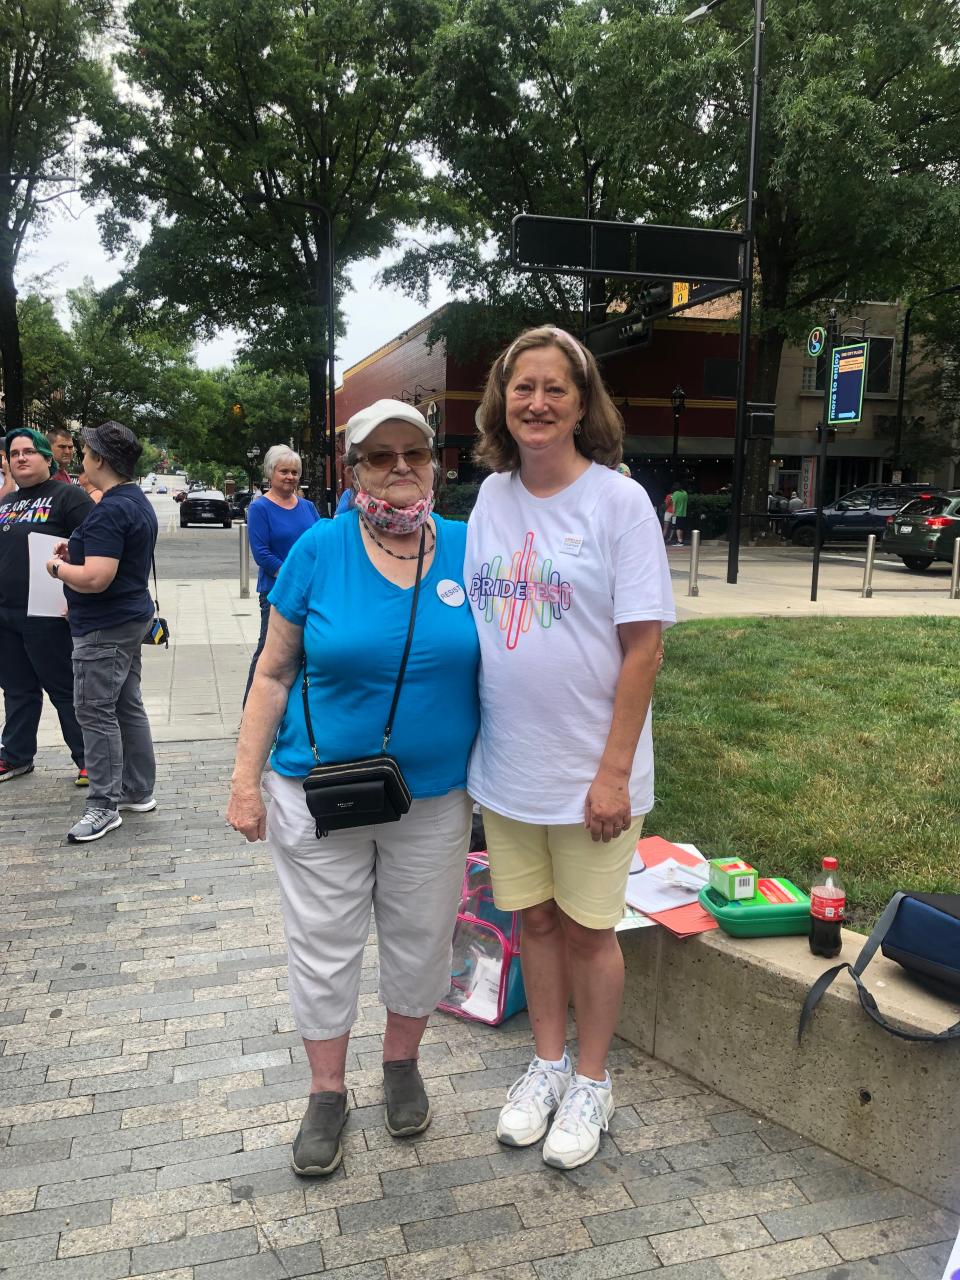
column 856, row 515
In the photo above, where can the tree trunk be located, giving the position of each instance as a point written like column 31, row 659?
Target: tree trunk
column 10, row 354
column 766, row 373
column 313, row 436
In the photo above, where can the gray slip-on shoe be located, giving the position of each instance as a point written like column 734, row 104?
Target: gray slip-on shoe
column 316, row 1148
column 407, row 1104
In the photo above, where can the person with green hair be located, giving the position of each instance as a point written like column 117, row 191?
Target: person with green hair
column 36, row 654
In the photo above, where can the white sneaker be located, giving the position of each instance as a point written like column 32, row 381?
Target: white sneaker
column 137, row 806
column 575, row 1133
column 531, row 1101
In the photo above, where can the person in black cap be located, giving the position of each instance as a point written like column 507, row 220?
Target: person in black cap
column 34, row 652
column 105, row 570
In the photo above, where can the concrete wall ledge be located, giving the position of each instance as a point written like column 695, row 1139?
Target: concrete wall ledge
column 725, row 1010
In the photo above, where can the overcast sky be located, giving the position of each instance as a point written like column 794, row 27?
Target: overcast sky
column 70, row 250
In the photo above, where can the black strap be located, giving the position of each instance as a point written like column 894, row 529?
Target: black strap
column 877, row 935
column 156, row 589
column 388, row 728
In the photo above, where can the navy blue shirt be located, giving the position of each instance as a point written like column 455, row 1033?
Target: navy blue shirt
column 123, row 527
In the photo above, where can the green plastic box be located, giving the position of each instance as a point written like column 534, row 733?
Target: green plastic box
column 777, row 909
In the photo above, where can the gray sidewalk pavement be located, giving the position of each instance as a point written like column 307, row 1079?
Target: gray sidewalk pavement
column 151, row 1081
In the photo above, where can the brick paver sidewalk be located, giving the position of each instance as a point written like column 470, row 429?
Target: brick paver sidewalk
column 152, row 1081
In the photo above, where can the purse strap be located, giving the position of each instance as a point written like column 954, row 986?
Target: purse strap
column 388, row 727
column 156, row 589
column 869, row 949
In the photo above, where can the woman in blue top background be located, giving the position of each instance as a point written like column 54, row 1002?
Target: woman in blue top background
column 342, row 606
column 273, row 527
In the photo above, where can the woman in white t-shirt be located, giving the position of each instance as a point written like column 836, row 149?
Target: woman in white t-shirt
column 570, row 589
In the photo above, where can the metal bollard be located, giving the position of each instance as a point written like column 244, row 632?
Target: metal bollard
column 867, row 590
column 693, row 589
column 955, row 572
column 244, row 563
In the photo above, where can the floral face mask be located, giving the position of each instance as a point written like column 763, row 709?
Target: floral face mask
column 387, row 518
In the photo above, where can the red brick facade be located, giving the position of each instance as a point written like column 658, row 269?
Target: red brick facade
column 698, row 355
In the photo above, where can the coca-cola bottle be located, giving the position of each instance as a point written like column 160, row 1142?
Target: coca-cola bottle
column 828, row 902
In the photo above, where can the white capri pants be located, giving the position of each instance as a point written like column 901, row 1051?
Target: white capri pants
column 410, row 872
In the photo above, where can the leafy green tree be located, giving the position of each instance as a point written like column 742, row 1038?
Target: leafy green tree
column 258, row 409
column 48, row 358
column 49, row 77
column 617, row 110
column 312, row 107
column 542, row 106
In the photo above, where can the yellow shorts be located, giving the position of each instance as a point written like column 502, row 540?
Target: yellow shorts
column 587, row 879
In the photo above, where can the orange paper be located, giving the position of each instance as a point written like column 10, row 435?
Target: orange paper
column 682, row 922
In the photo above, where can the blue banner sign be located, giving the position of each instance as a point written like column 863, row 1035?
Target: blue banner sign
column 847, row 377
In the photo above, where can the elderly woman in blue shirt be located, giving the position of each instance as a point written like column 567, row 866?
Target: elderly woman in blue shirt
column 274, row 526
column 340, row 613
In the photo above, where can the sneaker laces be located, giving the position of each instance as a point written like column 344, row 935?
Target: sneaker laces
column 96, row 816
column 581, row 1103
column 538, row 1083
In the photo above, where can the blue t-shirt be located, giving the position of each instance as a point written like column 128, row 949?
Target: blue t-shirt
column 123, row 527
column 354, row 627
column 273, row 530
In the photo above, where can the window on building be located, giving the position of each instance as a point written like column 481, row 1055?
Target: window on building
column 720, row 378
column 879, row 369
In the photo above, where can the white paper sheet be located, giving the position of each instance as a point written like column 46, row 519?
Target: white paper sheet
column 953, row 1263
column 653, row 890
column 485, row 989
column 45, row 597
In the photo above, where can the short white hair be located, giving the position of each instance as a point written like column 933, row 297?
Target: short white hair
column 276, row 454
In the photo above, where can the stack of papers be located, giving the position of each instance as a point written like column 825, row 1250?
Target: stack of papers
column 664, row 883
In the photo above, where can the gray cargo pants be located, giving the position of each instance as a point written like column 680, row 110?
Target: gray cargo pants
column 118, row 746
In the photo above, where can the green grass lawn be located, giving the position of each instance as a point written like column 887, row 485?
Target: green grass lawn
column 782, row 740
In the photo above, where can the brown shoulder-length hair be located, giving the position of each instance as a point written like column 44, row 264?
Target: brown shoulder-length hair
column 601, row 432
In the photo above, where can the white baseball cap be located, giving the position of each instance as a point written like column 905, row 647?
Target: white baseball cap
column 367, row 420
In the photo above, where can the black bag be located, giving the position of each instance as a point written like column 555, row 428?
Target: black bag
column 158, row 632
column 921, row 932
column 361, row 793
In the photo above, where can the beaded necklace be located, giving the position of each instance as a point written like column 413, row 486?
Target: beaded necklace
column 396, row 555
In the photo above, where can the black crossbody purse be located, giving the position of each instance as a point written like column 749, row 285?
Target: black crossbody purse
column 372, row 790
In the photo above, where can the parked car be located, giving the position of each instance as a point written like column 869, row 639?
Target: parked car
column 239, row 502
column 856, row 515
column 205, row 506
column 925, row 530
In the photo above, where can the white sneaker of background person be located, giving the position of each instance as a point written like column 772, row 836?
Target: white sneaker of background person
column 584, row 1114
column 532, row 1100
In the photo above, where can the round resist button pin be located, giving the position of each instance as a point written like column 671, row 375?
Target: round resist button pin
column 450, row 592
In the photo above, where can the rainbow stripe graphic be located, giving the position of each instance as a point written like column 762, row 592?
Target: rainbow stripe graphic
column 530, row 589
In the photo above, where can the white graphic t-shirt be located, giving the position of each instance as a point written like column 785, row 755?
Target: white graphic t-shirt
column 549, row 580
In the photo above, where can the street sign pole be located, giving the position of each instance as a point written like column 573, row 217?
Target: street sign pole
column 831, row 337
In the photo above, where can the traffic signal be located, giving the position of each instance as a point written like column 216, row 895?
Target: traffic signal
column 237, row 410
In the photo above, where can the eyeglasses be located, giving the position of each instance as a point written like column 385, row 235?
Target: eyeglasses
column 23, row 453
column 386, row 459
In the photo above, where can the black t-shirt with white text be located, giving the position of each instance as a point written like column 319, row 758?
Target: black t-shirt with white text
column 49, row 507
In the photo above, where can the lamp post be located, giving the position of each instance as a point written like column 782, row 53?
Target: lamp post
column 678, row 399
column 746, row 281
column 904, row 347
column 331, row 301
column 253, row 453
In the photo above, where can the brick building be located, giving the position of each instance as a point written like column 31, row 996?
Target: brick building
column 696, row 351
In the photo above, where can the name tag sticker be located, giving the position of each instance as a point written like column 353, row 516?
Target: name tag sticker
column 451, row 592
column 571, row 544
